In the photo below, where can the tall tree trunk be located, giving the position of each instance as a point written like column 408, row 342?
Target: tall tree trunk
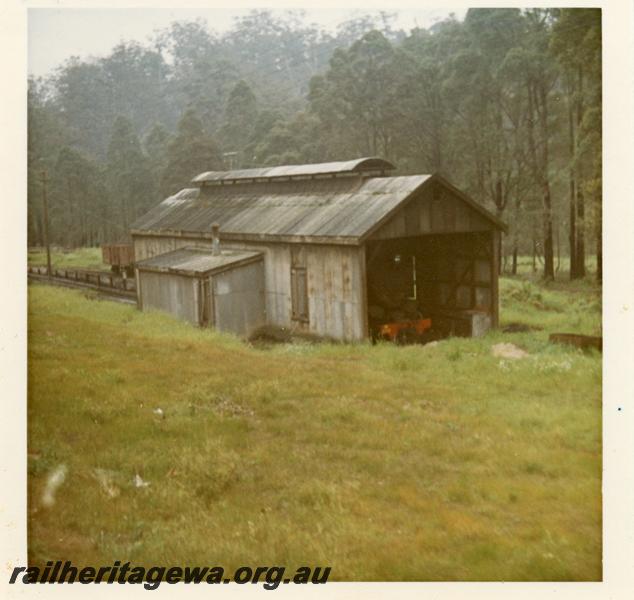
column 581, row 238
column 40, row 231
column 599, row 242
column 538, row 106
column 558, row 249
column 499, row 212
column 549, row 258
column 581, row 241
column 69, row 239
column 534, row 232
column 572, row 236
column 549, row 270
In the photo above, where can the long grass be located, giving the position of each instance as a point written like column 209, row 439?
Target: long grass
column 418, row 463
column 75, row 258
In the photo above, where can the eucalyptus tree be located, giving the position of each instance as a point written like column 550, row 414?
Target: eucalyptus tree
column 277, row 54
column 128, row 174
column 155, row 146
column 576, row 43
column 77, row 200
column 531, row 62
column 206, row 88
column 293, row 141
column 356, row 98
column 190, row 152
column 239, row 122
column 89, row 94
column 46, row 133
column 137, row 78
column 83, row 99
column 425, row 117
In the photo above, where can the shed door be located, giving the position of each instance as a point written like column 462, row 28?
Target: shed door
column 238, row 303
column 299, row 294
column 206, row 302
column 299, row 285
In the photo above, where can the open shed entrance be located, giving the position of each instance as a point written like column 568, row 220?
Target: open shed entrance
column 450, row 278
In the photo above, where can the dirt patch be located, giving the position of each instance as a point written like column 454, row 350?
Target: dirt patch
column 508, row 351
column 270, row 335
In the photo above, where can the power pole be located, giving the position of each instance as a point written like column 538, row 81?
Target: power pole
column 46, row 242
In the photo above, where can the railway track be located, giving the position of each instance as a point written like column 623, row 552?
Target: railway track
column 107, row 285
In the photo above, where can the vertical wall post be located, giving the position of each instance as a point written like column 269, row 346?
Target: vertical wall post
column 363, row 265
column 139, row 300
column 46, row 240
column 495, row 274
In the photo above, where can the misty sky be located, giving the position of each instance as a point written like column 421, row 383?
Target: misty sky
column 57, row 34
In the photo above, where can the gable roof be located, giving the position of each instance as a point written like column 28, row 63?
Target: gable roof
column 335, row 210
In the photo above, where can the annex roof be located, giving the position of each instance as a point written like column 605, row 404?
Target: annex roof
column 197, row 261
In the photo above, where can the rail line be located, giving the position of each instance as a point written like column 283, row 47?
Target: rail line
column 105, row 284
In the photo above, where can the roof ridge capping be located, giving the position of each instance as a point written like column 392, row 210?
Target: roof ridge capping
column 372, row 164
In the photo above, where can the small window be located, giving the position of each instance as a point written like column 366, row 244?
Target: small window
column 299, row 294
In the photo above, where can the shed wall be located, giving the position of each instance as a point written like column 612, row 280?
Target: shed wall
column 336, row 284
column 239, row 304
column 336, row 291
column 175, row 294
column 434, row 209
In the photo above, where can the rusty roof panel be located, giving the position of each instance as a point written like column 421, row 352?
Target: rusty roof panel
column 331, row 208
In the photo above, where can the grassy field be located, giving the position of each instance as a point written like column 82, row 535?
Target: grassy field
column 75, row 258
column 388, row 463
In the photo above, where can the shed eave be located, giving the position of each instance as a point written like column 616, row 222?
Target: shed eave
column 148, row 264
column 251, row 237
column 201, row 274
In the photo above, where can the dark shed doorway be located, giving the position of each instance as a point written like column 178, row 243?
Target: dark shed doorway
column 450, row 278
column 436, row 258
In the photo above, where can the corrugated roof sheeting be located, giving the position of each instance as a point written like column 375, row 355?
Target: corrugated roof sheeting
column 196, row 261
column 343, row 207
column 350, row 166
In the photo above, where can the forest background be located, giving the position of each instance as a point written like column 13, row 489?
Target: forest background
column 505, row 103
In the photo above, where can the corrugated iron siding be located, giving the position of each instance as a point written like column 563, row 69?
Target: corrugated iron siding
column 238, row 299
column 336, row 285
column 176, row 294
column 336, row 291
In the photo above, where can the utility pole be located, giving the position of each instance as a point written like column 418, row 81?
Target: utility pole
column 46, row 241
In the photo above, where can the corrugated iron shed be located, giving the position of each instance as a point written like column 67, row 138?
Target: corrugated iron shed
column 197, row 261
